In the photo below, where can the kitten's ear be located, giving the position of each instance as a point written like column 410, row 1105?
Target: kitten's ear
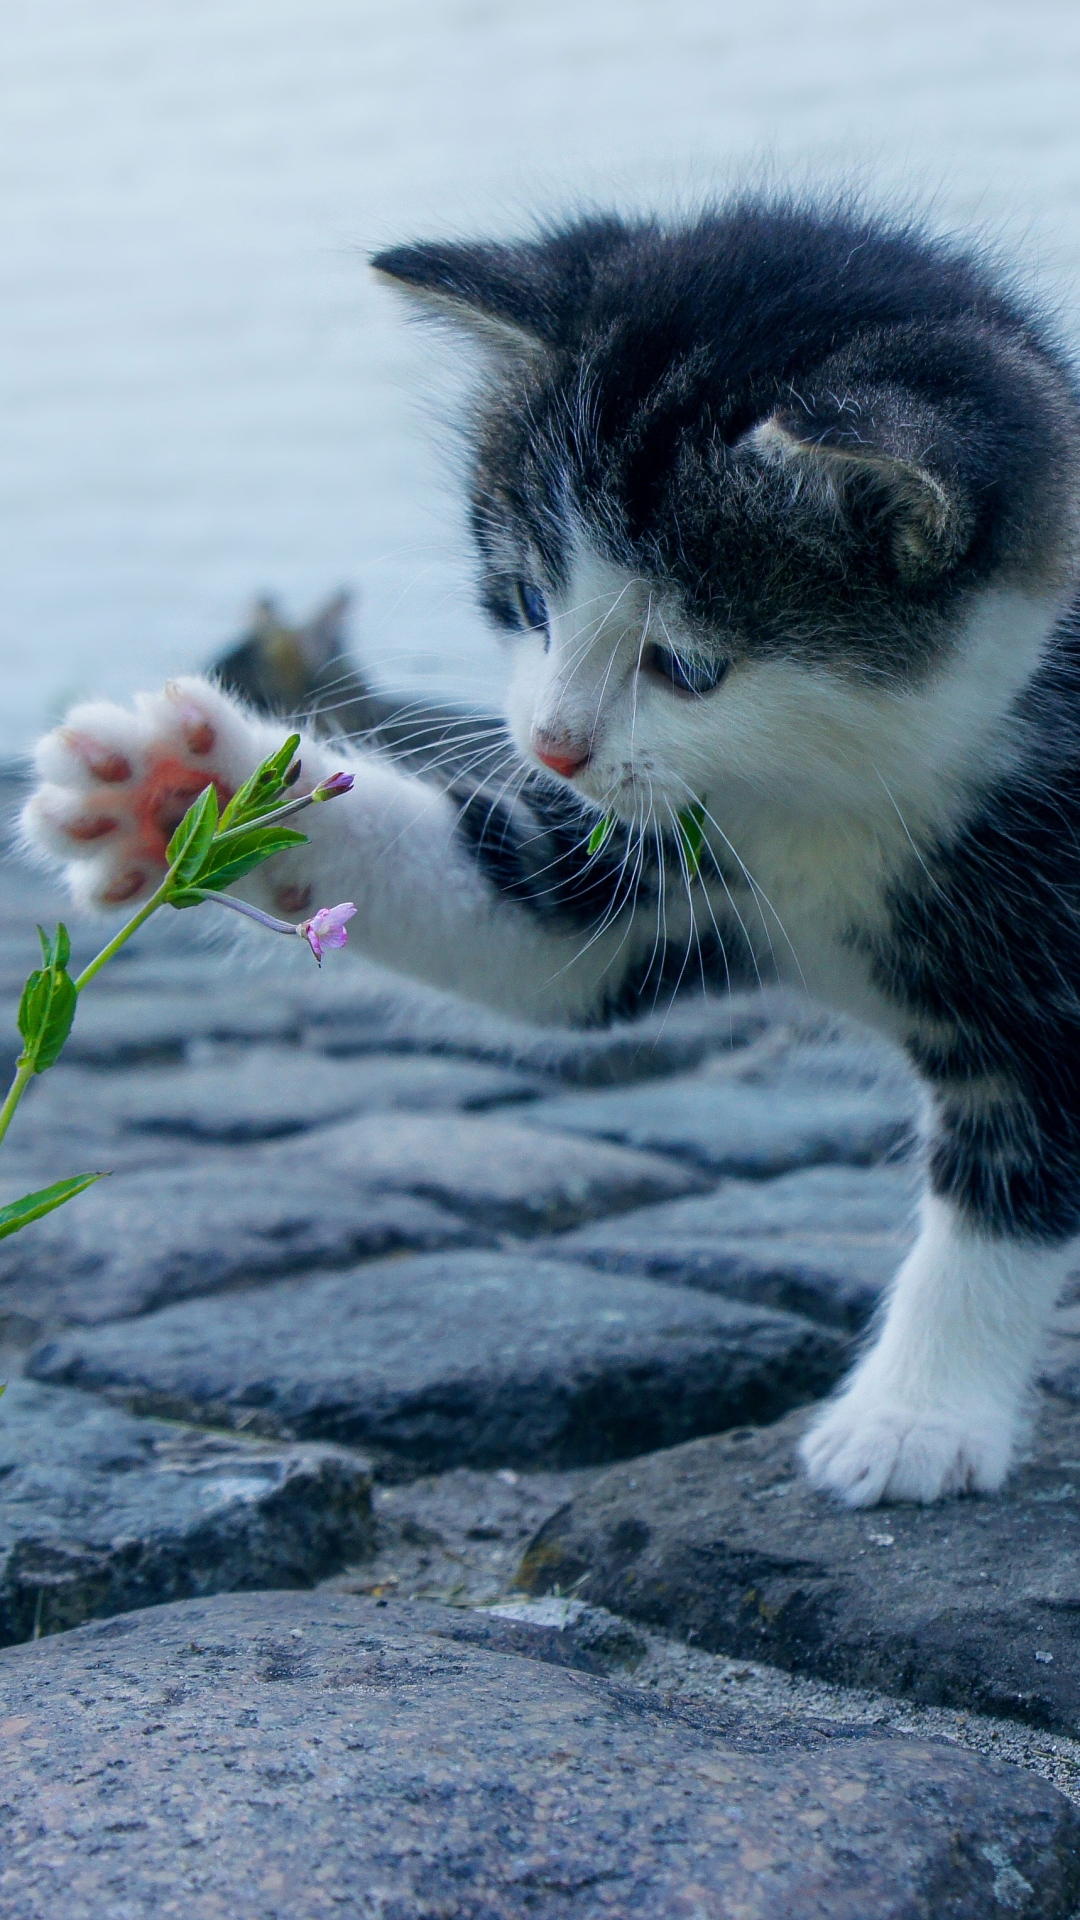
column 488, row 290
column 523, row 299
column 868, row 462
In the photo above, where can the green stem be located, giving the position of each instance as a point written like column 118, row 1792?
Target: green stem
column 24, row 1073
column 23, row 1077
column 101, row 959
column 265, row 819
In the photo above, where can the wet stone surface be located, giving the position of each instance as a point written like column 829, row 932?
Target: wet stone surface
column 461, row 1359
column 271, row 1754
column 100, row 1512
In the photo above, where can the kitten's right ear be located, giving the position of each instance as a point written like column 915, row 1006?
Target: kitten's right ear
column 869, row 460
column 488, row 290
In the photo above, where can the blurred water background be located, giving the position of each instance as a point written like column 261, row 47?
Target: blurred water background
column 203, row 394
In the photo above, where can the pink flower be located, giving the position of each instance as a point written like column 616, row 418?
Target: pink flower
column 326, row 928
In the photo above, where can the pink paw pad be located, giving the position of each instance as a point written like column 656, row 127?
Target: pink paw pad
column 292, row 899
column 198, row 734
column 164, row 796
column 105, row 763
column 124, row 888
column 86, row 830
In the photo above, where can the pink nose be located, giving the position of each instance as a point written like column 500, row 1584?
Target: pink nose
column 567, row 762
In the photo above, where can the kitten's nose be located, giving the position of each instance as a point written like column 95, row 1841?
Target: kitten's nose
column 566, row 759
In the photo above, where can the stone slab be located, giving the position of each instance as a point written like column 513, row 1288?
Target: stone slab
column 464, row 1359
column 359, row 1188
column 262, row 1093
column 270, row 1755
column 142, row 1239
column 137, row 1026
column 830, row 1052
column 101, row 1512
column 726, row 1127
column 823, row 1242
column 355, row 1013
column 1060, row 1368
column 491, row 1169
column 973, row 1603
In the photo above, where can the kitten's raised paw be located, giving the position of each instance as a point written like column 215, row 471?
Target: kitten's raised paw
column 866, row 1447
column 115, row 782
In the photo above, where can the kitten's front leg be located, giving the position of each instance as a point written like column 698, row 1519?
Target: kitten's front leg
column 115, row 782
column 937, row 1404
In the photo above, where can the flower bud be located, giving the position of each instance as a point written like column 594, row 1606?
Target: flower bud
column 334, row 784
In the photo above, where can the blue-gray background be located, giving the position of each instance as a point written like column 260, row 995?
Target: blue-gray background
column 203, row 395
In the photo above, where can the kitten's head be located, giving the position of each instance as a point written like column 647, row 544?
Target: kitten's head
column 753, row 492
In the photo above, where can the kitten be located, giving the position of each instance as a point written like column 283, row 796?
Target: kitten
column 779, row 512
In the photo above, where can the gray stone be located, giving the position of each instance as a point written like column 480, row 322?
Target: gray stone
column 973, row 1603
column 835, row 1054
column 460, row 1359
column 360, row 1188
column 140, row 1240
column 457, row 1536
column 491, row 1169
column 259, row 1756
column 262, row 1094
column 132, row 1027
column 355, row 1015
column 719, row 1124
column 1060, row 1370
column 822, row 1242
column 565, row 1633
column 101, row 1512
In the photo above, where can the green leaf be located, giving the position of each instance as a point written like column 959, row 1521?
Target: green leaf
column 33, row 1205
column 264, row 789
column 601, row 832
column 188, row 847
column 237, row 857
column 35, row 998
column 691, row 824
column 46, row 1011
column 264, row 840
column 55, row 953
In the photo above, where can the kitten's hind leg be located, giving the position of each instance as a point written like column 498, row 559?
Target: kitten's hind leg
column 936, row 1406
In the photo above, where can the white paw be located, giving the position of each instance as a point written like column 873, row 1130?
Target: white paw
column 867, row 1447
column 116, row 782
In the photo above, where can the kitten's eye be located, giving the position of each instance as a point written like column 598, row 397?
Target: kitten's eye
column 686, row 674
column 531, row 605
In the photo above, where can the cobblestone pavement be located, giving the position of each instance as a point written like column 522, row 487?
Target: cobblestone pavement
column 499, row 1340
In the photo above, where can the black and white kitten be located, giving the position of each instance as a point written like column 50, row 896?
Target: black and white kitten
column 779, row 510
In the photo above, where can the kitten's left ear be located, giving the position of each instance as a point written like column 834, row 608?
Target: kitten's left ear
column 868, row 461
column 486, row 289
column 524, row 299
